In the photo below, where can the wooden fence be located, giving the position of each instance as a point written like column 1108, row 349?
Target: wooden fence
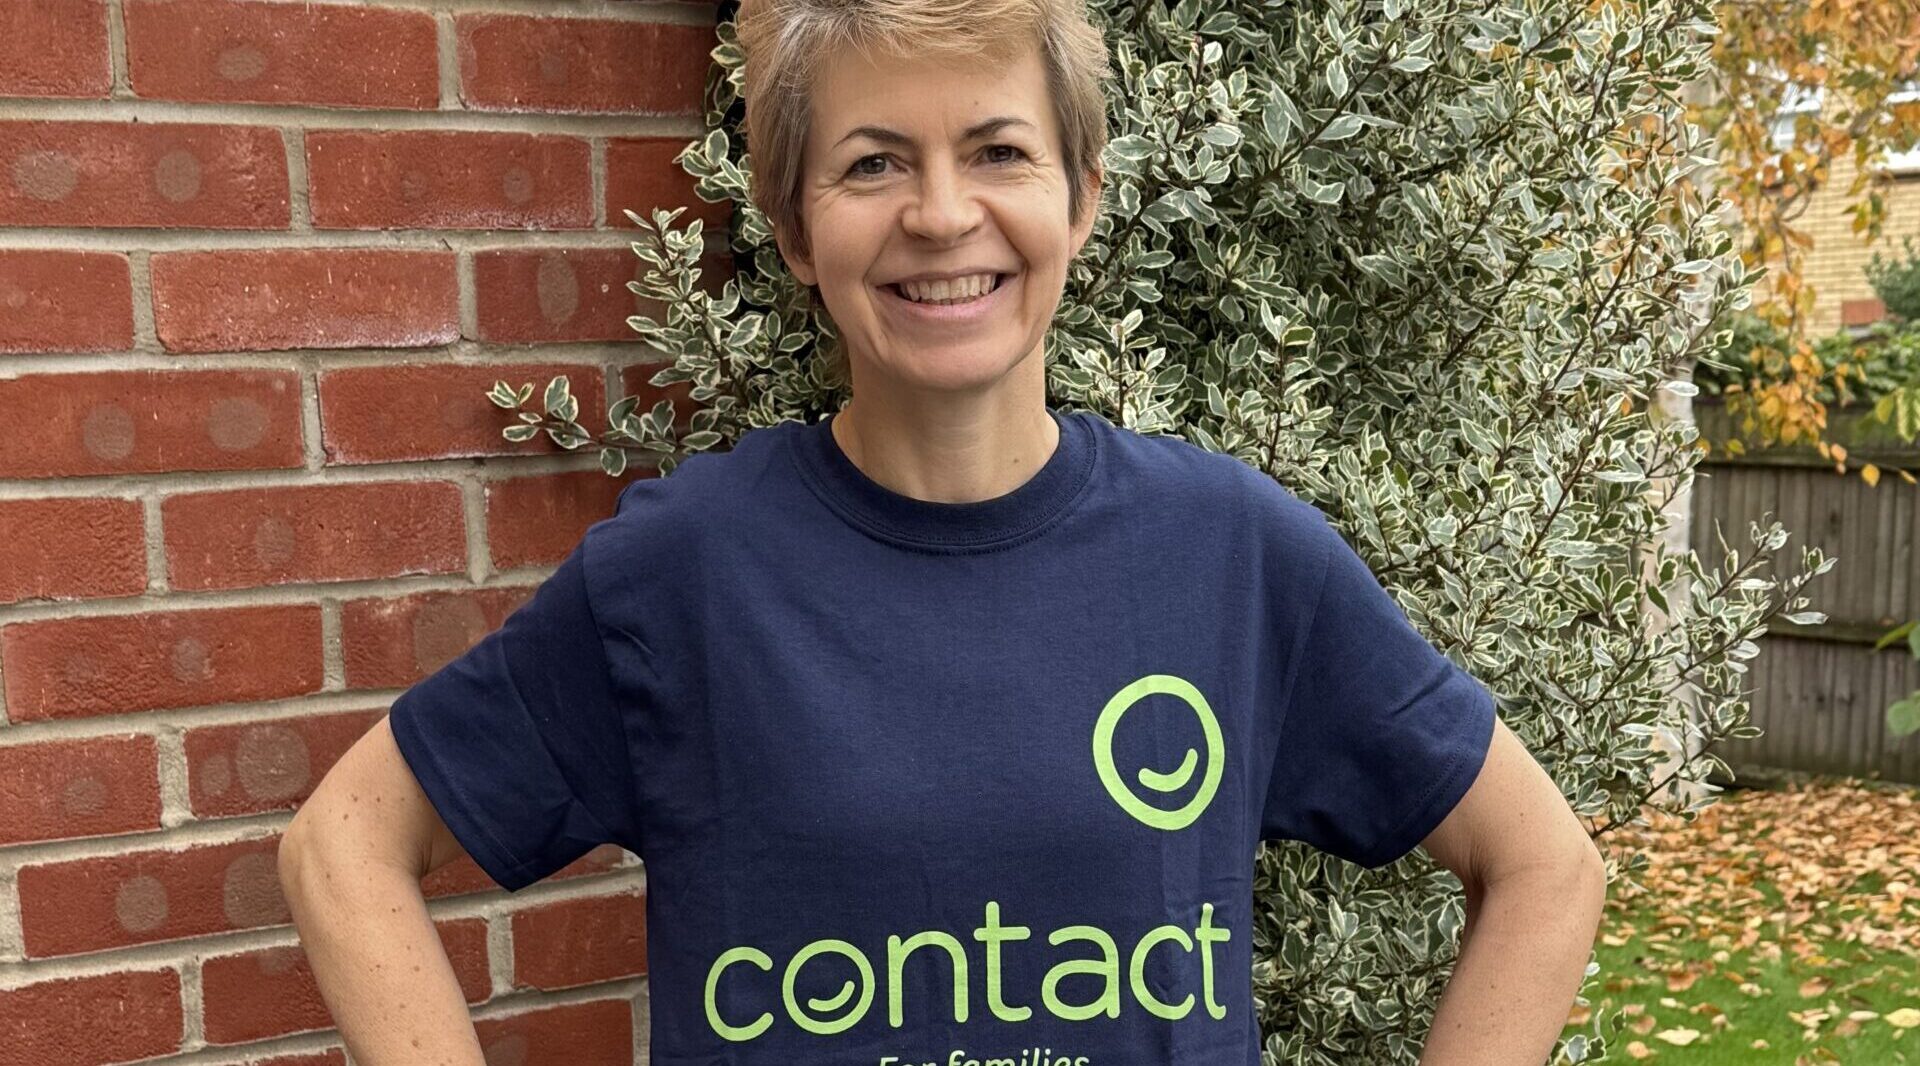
column 1820, row 691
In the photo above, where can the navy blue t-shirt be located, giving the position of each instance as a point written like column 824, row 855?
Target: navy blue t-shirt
column 919, row 782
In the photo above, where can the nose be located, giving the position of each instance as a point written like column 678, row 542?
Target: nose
column 946, row 209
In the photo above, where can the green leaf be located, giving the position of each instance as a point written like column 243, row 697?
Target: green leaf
column 1341, row 128
column 1322, row 192
column 1132, row 147
column 1903, row 718
column 1894, row 635
column 568, row 437
column 1221, row 135
column 621, row 409
column 1273, row 119
column 1337, row 77
column 715, row 145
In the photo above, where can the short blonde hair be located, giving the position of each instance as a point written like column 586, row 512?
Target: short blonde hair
column 784, row 41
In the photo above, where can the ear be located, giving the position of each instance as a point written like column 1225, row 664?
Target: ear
column 1083, row 229
column 800, row 265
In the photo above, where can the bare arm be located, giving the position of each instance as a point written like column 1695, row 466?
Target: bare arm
column 1535, row 888
column 350, row 866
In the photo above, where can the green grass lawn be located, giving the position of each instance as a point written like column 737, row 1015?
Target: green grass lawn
column 1747, row 946
column 1746, row 1006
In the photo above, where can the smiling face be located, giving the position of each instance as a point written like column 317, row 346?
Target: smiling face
column 1156, row 780
column 937, row 167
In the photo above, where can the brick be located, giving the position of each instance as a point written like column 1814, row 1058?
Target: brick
column 53, row 300
column 535, row 295
column 270, row 992
column 536, row 63
column 156, row 174
column 54, row 48
column 91, row 1021
column 534, row 521
column 379, row 414
column 580, row 941
column 393, row 642
column 241, row 538
column 328, row 55
column 114, row 664
column 61, row 789
column 597, row 1031
column 641, row 175
column 447, row 179
column 140, row 897
column 150, row 421
column 253, row 767
column 463, row 876
column 70, row 548
column 274, row 299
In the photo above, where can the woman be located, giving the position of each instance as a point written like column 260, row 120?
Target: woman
column 945, row 732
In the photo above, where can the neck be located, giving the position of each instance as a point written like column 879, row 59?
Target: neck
column 948, row 449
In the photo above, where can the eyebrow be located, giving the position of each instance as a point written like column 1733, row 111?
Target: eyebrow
column 984, row 128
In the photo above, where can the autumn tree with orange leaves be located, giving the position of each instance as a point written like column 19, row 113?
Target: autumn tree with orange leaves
column 1797, row 86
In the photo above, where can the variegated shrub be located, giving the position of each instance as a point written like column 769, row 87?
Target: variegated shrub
column 1432, row 266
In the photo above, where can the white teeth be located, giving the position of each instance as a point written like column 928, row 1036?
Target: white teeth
column 948, row 290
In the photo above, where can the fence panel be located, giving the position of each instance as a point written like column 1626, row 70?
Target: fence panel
column 1820, row 691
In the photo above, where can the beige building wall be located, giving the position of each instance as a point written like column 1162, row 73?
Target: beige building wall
column 1836, row 264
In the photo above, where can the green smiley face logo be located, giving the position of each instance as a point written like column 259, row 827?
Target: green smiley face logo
column 1158, row 780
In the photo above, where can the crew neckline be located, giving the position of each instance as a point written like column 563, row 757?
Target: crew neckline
column 937, row 526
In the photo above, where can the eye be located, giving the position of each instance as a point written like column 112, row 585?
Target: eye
column 855, row 170
column 863, row 160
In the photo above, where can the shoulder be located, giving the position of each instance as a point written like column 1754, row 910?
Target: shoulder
column 702, row 485
column 705, row 479
column 1214, row 485
column 659, row 517
column 1166, row 468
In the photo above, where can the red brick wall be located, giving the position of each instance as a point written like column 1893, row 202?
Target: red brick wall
column 259, row 261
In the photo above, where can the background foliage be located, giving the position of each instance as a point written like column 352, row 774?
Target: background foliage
column 1427, row 264
column 1876, row 367
column 1794, row 88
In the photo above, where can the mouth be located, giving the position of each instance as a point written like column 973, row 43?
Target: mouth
column 963, row 309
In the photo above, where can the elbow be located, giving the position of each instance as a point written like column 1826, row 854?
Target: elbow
column 1582, row 877
column 1594, row 869
column 306, row 861
column 1574, row 871
column 290, row 856
column 1582, row 873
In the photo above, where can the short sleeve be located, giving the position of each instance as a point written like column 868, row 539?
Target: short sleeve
column 1382, row 734
column 518, row 742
